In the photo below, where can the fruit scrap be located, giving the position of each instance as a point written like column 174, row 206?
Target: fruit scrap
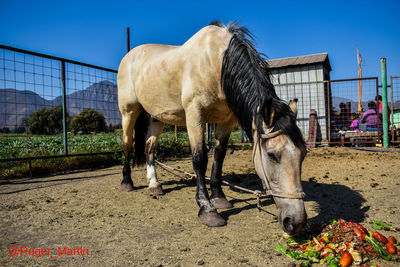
column 382, row 252
column 346, row 259
column 391, row 248
column 349, row 242
column 381, row 238
column 392, row 240
column 359, row 233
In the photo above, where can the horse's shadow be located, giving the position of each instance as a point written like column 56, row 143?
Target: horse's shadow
column 332, row 201
column 182, row 183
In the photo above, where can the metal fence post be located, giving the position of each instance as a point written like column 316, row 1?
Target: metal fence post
column 392, row 109
column 329, row 110
column 64, row 107
column 384, row 103
column 128, row 40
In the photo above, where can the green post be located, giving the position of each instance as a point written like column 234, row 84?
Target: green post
column 384, row 104
column 64, row 107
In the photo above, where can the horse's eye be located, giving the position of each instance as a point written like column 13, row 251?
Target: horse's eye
column 272, row 156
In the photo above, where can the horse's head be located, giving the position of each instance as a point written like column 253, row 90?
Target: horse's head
column 277, row 159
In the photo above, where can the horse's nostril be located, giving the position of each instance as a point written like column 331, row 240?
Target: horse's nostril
column 287, row 224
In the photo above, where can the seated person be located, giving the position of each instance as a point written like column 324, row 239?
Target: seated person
column 370, row 117
column 336, row 132
column 354, row 126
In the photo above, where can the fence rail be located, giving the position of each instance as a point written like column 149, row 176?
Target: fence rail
column 27, row 52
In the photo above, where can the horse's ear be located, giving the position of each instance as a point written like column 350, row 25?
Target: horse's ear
column 293, row 106
column 269, row 116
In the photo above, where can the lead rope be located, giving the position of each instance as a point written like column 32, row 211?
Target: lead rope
column 257, row 193
column 267, row 191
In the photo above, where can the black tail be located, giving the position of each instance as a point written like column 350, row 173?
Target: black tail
column 141, row 127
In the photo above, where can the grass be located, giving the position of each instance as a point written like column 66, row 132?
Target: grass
column 23, row 145
column 19, row 146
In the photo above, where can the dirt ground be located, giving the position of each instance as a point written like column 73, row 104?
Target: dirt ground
column 88, row 210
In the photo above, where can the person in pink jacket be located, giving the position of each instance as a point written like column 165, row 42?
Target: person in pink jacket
column 379, row 100
column 354, row 122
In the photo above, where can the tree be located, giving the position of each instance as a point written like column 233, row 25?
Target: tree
column 5, row 130
column 89, row 120
column 20, row 129
column 112, row 127
column 46, row 121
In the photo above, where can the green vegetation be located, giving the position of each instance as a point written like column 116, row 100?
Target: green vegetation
column 49, row 121
column 19, row 146
column 40, row 135
column 46, row 121
column 23, row 145
column 89, row 120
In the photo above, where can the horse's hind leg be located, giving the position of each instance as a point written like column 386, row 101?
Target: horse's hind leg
column 128, row 123
column 153, row 133
column 218, row 198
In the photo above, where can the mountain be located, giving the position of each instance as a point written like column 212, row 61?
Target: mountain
column 16, row 105
column 336, row 100
column 101, row 96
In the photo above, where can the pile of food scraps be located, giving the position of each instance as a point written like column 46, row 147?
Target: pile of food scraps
column 342, row 243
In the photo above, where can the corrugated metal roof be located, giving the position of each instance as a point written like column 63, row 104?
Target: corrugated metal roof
column 301, row 60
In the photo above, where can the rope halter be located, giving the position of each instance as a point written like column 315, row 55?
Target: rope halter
column 267, row 186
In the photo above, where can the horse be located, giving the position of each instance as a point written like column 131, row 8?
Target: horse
column 217, row 76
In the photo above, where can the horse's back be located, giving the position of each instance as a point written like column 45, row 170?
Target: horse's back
column 164, row 79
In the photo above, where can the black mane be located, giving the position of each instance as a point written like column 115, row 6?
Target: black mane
column 245, row 79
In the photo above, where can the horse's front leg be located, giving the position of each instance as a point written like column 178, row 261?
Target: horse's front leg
column 207, row 214
column 222, row 133
column 153, row 133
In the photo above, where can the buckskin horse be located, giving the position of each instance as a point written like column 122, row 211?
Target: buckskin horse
column 217, row 76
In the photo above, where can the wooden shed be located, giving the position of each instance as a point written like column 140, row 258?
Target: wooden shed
column 303, row 78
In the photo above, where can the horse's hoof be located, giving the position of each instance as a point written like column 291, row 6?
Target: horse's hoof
column 156, row 191
column 221, row 203
column 212, row 219
column 127, row 187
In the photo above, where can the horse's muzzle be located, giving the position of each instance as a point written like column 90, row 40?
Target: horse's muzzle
column 292, row 223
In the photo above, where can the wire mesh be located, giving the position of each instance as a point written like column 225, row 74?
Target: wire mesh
column 306, row 83
column 31, row 83
column 92, row 88
column 28, row 84
column 394, row 104
column 353, row 111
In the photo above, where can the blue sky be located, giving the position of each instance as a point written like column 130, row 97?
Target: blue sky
column 94, row 31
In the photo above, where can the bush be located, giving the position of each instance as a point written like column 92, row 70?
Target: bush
column 169, row 147
column 5, row 130
column 113, row 127
column 89, row 120
column 46, row 121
